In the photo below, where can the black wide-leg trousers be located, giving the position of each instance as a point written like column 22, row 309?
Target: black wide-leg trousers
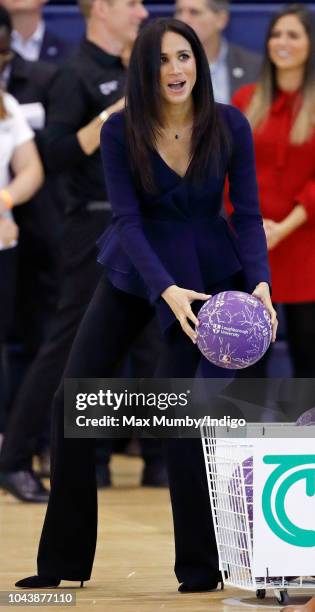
column 67, row 546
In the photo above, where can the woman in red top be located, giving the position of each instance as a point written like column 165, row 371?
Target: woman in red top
column 281, row 110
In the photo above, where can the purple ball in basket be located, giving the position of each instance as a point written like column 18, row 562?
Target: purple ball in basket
column 307, row 418
column 234, row 330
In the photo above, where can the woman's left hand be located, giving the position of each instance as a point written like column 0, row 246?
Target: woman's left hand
column 262, row 292
column 8, row 232
column 274, row 233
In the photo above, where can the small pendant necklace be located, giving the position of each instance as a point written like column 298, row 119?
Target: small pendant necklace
column 185, row 131
column 178, row 135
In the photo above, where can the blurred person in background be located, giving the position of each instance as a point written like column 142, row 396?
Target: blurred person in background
column 87, row 91
column 231, row 66
column 29, row 82
column 29, row 79
column 39, row 223
column 31, row 38
column 21, row 174
column 281, row 110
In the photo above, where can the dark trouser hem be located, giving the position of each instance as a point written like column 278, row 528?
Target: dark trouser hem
column 66, row 576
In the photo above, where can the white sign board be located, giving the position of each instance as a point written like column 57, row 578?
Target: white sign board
column 284, row 507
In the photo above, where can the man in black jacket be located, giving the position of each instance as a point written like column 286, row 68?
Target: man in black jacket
column 30, row 81
column 39, row 222
column 91, row 81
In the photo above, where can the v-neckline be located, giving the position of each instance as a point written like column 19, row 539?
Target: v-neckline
column 179, row 176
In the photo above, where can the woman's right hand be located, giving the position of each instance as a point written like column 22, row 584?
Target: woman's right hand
column 8, row 232
column 179, row 300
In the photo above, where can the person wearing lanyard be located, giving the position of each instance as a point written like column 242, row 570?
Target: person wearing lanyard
column 166, row 158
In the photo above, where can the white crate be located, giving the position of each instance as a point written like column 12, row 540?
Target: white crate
column 230, row 482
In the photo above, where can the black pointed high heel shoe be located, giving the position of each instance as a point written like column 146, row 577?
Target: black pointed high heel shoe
column 201, row 588
column 40, row 582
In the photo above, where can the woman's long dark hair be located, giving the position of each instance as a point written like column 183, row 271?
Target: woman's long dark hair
column 144, row 103
column 267, row 85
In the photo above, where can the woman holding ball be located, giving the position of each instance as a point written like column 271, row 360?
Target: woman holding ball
column 166, row 158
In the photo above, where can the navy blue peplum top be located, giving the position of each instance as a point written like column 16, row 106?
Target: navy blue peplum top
column 178, row 235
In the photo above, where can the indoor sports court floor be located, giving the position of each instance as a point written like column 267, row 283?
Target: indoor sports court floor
column 133, row 567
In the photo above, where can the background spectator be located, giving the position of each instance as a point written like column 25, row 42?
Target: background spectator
column 30, row 37
column 19, row 155
column 281, row 110
column 231, row 66
column 38, row 221
column 92, row 80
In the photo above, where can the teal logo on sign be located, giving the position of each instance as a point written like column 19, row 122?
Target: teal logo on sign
column 273, row 498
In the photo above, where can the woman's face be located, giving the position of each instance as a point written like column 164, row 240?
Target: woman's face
column 288, row 45
column 178, row 69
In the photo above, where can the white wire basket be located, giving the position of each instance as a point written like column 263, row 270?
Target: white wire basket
column 229, row 467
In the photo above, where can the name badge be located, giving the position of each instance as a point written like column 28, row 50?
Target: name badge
column 109, row 87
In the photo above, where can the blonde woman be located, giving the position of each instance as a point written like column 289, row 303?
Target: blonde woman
column 281, row 110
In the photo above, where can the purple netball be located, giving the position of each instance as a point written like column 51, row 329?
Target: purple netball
column 234, row 330
column 307, row 418
column 242, row 474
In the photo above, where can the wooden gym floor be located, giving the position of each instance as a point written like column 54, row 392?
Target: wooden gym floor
column 133, row 569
